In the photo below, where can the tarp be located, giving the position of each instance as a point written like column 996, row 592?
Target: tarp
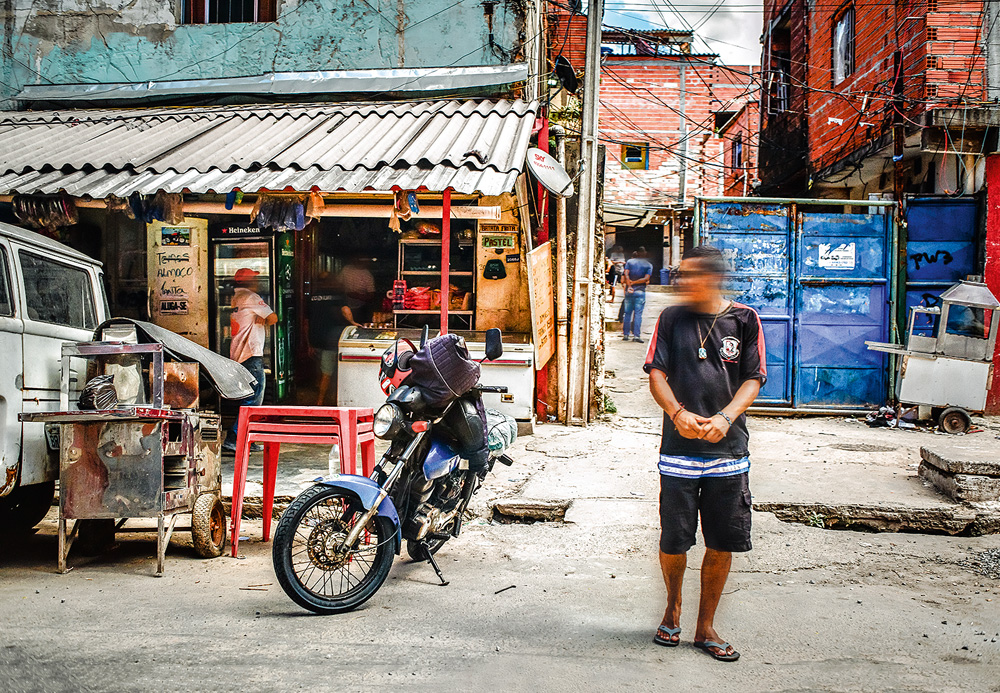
column 232, row 380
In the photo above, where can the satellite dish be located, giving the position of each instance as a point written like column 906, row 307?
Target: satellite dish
column 550, row 173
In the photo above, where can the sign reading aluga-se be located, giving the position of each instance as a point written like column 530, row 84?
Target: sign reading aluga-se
column 550, row 173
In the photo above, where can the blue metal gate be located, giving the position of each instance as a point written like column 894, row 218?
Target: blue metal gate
column 841, row 299
column 822, row 284
column 940, row 248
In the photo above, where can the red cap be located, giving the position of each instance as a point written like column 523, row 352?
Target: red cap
column 245, row 273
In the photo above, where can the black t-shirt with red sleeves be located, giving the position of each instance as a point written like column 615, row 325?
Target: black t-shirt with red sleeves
column 735, row 354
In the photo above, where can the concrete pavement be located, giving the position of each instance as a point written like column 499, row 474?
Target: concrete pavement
column 810, row 609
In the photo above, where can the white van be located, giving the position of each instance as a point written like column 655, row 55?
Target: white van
column 49, row 294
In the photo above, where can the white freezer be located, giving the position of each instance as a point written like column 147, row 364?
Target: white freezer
column 361, row 351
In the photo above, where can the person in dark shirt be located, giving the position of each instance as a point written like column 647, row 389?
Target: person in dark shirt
column 706, row 365
column 330, row 313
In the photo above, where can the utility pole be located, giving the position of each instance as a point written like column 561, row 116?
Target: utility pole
column 579, row 377
column 991, row 42
column 562, row 308
column 898, row 142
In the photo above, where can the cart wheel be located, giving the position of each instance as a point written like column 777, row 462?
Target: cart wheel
column 208, row 525
column 954, row 420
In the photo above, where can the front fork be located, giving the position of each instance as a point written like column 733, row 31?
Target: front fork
column 359, row 526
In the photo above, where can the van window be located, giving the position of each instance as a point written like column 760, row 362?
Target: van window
column 57, row 293
column 6, row 304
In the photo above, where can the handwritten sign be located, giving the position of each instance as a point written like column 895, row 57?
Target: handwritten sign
column 543, row 324
column 177, row 267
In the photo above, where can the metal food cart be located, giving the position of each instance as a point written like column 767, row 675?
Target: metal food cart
column 945, row 369
column 152, row 455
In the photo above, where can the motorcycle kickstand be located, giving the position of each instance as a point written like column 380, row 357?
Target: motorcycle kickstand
column 434, row 565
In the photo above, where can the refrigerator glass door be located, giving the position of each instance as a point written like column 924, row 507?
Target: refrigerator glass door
column 230, row 257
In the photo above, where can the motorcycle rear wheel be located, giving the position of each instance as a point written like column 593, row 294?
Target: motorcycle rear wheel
column 305, row 562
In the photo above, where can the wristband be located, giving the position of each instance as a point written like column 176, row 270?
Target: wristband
column 723, row 415
column 676, row 413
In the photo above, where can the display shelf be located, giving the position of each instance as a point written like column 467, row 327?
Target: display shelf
column 422, row 253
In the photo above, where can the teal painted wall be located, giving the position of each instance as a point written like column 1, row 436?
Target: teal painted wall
column 103, row 41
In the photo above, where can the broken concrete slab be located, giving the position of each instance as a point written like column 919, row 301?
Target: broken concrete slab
column 967, row 455
column 530, row 511
column 968, row 488
column 953, row 520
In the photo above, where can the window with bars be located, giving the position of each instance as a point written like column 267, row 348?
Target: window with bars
column 229, row 11
column 737, row 151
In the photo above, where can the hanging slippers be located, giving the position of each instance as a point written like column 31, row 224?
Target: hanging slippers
column 664, row 636
column 707, row 645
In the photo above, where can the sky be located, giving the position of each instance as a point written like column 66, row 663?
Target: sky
column 731, row 28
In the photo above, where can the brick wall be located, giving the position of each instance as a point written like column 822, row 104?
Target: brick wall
column 942, row 65
column 640, row 103
column 745, row 128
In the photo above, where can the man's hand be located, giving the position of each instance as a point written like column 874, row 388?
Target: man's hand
column 714, row 429
column 690, row 425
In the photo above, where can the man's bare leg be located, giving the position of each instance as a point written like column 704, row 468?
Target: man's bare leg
column 673, row 566
column 714, row 571
column 324, row 386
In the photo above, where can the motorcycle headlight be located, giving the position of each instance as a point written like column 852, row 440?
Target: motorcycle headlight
column 388, row 421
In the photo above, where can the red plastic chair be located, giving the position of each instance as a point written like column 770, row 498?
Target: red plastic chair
column 349, row 427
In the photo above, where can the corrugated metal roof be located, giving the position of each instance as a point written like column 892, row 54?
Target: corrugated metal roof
column 349, row 147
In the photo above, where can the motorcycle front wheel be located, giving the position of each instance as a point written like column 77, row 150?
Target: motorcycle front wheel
column 314, row 568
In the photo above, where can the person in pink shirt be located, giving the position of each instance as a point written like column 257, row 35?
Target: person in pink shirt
column 250, row 319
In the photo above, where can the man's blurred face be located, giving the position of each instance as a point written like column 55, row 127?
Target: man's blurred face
column 696, row 284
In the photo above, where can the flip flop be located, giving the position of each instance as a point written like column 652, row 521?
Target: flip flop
column 706, row 644
column 669, row 632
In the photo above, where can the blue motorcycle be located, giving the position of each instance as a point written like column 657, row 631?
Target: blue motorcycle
column 336, row 542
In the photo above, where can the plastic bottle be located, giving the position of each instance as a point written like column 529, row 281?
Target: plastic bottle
column 333, row 462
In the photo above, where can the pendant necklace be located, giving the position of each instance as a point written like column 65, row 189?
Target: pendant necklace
column 702, row 353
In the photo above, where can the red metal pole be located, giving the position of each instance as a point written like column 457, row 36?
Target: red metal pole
column 445, row 259
column 992, row 270
column 542, row 375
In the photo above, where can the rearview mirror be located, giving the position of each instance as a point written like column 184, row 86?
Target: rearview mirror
column 494, row 344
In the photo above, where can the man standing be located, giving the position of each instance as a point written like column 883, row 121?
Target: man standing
column 706, row 365
column 638, row 272
column 248, row 325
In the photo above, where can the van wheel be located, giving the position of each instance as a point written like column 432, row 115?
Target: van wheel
column 25, row 506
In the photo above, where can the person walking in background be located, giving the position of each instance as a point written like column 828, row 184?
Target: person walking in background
column 706, row 365
column 638, row 272
column 330, row 313
column 248, row 325
column 615, row 269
